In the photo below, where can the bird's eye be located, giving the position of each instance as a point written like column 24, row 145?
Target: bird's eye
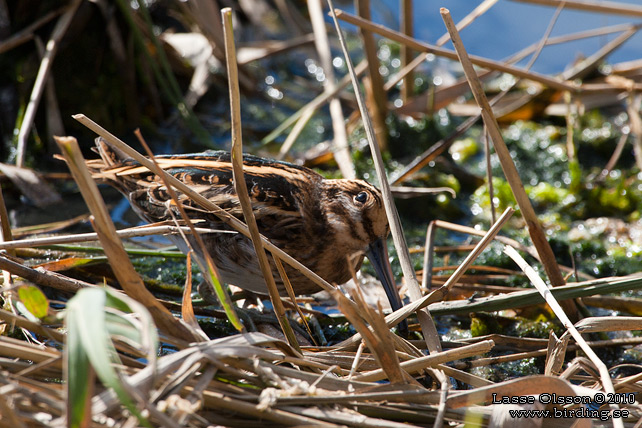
column 361, row 197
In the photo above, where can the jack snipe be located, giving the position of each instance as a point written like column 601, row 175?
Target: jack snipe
column 325, row 224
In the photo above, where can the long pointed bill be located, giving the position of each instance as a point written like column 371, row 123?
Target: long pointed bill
column 377, row 253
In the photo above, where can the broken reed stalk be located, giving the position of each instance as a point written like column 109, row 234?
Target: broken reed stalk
column 427, row 324
column 239, row 179
column 508, row 166
column 605, row 377
column 376, row 336
column 129, row 280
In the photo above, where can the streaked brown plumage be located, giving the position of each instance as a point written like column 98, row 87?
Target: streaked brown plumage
column 320, row 222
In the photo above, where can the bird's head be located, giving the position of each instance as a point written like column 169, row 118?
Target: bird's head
column 355, row 211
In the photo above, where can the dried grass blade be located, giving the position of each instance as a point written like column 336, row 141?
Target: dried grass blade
column 288, row 288
column 605, row 378
column 239, row 179
column 388, row 360
column 588, row 64
column 187, row 310
column 123, row 269
column 599, row 324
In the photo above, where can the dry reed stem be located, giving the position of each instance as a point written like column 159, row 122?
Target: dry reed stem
column 27, row 33
column 298, row 127
column 239, row 179
column 481, row 62
column 41, row 78
column 314, row 104
column 421, row 363
column 427, row 324
column 587, row 65
column 42, row 277
column 438, row 294
column 407, row 69
column 5, row 235
column 406, row 54
column 520, row 299
column 341, row 151
column 605, row 378
column 535, row 230
column 555, row 354
column 375, row 93
column 129, row 280
column 92, row 236
column 609, row 7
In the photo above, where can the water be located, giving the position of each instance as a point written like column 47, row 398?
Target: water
column 510, row 26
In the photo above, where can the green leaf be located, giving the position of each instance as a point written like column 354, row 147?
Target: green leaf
column 79, row 381
column 34, row 301
column 87, row 323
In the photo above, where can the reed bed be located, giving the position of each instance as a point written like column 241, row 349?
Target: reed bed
column 94, row 360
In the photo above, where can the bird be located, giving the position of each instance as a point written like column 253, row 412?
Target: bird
column 328, row 225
